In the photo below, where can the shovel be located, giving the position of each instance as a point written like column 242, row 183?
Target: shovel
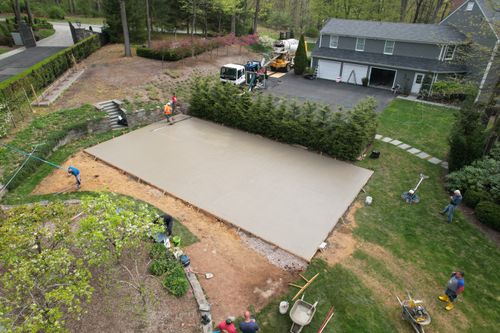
column 208, row 276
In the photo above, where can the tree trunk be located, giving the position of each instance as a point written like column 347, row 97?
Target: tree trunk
column 444, row 10
column 418, row 8
column 148, row 22
column 126, row 39
column 193, row 24
column 17, row 11
column 72, row 6
column 28, row 11
column 233, row 23
column 98, row 6
column 256, row 16
column 402, row 10
column 220, row 22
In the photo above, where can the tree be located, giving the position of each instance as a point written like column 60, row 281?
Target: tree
column 467, row 139
column 42, row 282
column 17, row 11
column 300, row 62
column 112, row 224
column 126, row 39
column 28, row 12
column 256, row 16
column 148, row 17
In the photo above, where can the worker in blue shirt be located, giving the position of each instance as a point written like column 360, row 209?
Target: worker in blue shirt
column 75, row 172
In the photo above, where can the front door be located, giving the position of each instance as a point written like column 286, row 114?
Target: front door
column 417, row 83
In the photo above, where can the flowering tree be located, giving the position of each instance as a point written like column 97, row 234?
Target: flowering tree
column 111, row 224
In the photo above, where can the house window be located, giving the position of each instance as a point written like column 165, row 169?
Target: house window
column 470, row 5
column 389, row 47
column 334, row 42
column 360, row 44
column 449, row 52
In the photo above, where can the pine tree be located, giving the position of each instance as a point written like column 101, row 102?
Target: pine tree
column 300, row 57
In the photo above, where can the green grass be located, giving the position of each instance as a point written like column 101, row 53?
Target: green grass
column 356, row 307
column 422, row 126
column 44, row 33
column 4, row 49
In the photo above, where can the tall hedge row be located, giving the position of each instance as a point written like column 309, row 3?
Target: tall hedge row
column 340, row 134
column 15, row 91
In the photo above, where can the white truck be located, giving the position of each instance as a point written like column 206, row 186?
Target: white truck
column 233, row 73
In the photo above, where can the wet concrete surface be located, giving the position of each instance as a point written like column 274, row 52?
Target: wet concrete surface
column 285, row 195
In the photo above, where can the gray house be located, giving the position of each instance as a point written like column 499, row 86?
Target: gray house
column 388, row 54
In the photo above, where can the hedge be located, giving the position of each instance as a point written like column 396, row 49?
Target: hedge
column 473, row 197
column 488, row 213
column 178, row 53
column 341, row 134
column 13, row 91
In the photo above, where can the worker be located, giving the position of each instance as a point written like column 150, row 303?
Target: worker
column 227, row 326
column 168, row 222
column 455, row 200
column 174, row 102
column 75, row 172
column 248, row 325
column 167, row 111
column 454, row 287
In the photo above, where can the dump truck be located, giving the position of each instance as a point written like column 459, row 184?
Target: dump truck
column 233, row 73
column 283, row 54
column 253, row 73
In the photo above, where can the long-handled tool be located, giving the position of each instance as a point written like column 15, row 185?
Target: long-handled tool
column 327, row 320
column 411, row 196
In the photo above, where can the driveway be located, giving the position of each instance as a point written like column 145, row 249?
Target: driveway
column 326, row 92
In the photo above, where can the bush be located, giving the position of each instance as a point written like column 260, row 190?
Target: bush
column 489, row 213
column 312, row 32
column 160, row 266
column 158, row 251
column 450, row 91
column 473, row 197
column 341, row 134
column 175, row 281
column 56, row 12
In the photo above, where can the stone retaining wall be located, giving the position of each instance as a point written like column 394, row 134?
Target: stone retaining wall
column 144, row 117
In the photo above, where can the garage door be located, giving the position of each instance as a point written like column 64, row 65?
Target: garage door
column 352, row 73
column 328, row 70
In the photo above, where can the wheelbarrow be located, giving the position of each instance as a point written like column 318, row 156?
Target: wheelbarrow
column 414, row 311
column 301, row 314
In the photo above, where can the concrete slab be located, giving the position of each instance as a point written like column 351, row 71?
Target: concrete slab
column 285, row 195
column 378, row 136
column 444, row 165
column 414, row 151
column 387, row 139
column 435, row 160
column 404, row 146
column 396, row 142
column 423, row 155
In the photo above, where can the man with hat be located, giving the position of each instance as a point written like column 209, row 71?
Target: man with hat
column 227, row 326
column 454, row 287
column 455, row 200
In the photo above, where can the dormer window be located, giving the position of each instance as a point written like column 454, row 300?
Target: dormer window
column 334, row 42
column 449, row 52
column 360, row 44
column 389, row 47
column 470, row 5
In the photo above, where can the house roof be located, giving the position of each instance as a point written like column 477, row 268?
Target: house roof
column 408, row 32
column 491, row 10
column 401, row 62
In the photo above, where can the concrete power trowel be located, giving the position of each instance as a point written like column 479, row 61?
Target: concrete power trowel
column 411, row 196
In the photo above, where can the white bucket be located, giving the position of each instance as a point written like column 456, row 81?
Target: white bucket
column 284, row 305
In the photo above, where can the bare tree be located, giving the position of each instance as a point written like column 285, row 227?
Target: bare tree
column 17, row 11
column 418, row 10
column 28, row 11
column 126, row 38
column 402, row 10
column 256, row 16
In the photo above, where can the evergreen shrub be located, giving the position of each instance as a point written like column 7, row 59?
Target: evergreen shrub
column 341, row 134
column 300, row 61
column 175, row 281
column 57, row 13
column 488, row 213
column 473, row 197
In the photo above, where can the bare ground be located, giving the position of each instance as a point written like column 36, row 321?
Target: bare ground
column 242, row 276
column 110, row 75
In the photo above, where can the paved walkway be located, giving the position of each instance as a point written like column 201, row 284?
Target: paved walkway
column 414, row 151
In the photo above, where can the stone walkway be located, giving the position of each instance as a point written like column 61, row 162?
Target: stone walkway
column 412, row 150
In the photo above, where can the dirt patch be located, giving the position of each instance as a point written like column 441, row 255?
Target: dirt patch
column 117, row 307
column 341, row 243
column 242, row 276
column 110, row 75
column 471, row 218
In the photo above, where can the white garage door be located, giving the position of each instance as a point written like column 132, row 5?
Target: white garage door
column 352, row 73
column 328, row 70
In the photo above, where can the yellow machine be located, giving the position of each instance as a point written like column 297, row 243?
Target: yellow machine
column 283, row 54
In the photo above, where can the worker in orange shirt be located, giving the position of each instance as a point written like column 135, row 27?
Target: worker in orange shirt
column 167, row 111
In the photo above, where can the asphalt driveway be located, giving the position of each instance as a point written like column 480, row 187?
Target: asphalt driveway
column 336, row 95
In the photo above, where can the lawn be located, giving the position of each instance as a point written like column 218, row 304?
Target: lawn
column 4, row 49
column 422, row 126
column 401, row 248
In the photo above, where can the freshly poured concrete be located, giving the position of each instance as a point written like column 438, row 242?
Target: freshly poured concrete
column 285, row 195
